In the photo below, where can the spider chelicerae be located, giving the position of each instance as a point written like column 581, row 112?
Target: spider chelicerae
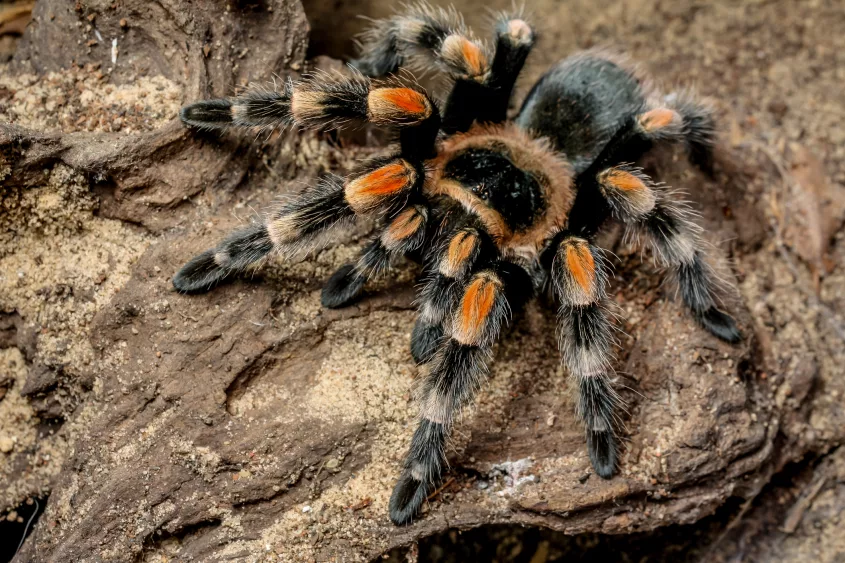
column 496, row 210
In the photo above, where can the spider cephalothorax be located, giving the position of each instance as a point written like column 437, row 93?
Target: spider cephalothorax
column 517, row 186
column 495, row 210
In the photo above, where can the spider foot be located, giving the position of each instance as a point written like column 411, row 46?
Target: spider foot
column 603, row 452
column 208, row 114
column 719, row 324
column 201, row 274
column 407, row 499
column 237, row 252
column 343, row 287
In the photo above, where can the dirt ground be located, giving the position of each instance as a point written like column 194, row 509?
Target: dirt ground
column 252, row 425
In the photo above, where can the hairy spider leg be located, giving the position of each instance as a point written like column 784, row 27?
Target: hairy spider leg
column 579, row 275
column 403, row 234
column 442, row 215
column 457, row 371
column 488, row 101
column 664, row 218
column 301, row 224
column 458, row 255
column 699, row 127
column 383, row 186
column 329, row 102
column 428, row 38
column 669, row 229
column 423, row 38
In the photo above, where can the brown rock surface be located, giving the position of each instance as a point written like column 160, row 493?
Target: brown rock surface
column 250, row 424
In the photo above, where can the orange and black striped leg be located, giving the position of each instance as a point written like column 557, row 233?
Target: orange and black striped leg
column 674, row 238
column 328, row 103
column 637, row 136
column 403, row 234
column 429, row 38
column 382, row 186
column 685, row 120
column 633, row 139
column 688, row 122
column 579, row 275
column 675, row 241
column 461, row 252
column 424, row 38
column 514, row 39
column 457, row 371
column 488, row 100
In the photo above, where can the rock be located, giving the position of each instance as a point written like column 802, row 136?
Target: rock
column 166, row 39
column 814, row 206
column 40, row 379
column 9, row 329
column 6, row 444
column 293, row 388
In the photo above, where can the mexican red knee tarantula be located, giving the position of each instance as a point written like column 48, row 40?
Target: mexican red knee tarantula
column 496, row 210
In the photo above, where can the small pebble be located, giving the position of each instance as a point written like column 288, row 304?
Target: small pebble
column 6, row 444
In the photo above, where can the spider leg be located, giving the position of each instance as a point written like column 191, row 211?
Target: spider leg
column 488, row 101
column 423, row 38
column 404, row 233
column 381, row 186
column 699, row 128
column 460, row 254
column 514, row 40
column 635, row 137
column 674, row 238
column 427, row 38
column 683, row 120
column 457, row 371
column 326, row 103
column 585, row 337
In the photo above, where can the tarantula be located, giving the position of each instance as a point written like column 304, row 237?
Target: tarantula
column 496, row 210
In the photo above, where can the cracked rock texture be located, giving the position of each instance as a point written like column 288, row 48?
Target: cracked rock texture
column 250, row 424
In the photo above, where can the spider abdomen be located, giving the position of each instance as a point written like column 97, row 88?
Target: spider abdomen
column 580, row 103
